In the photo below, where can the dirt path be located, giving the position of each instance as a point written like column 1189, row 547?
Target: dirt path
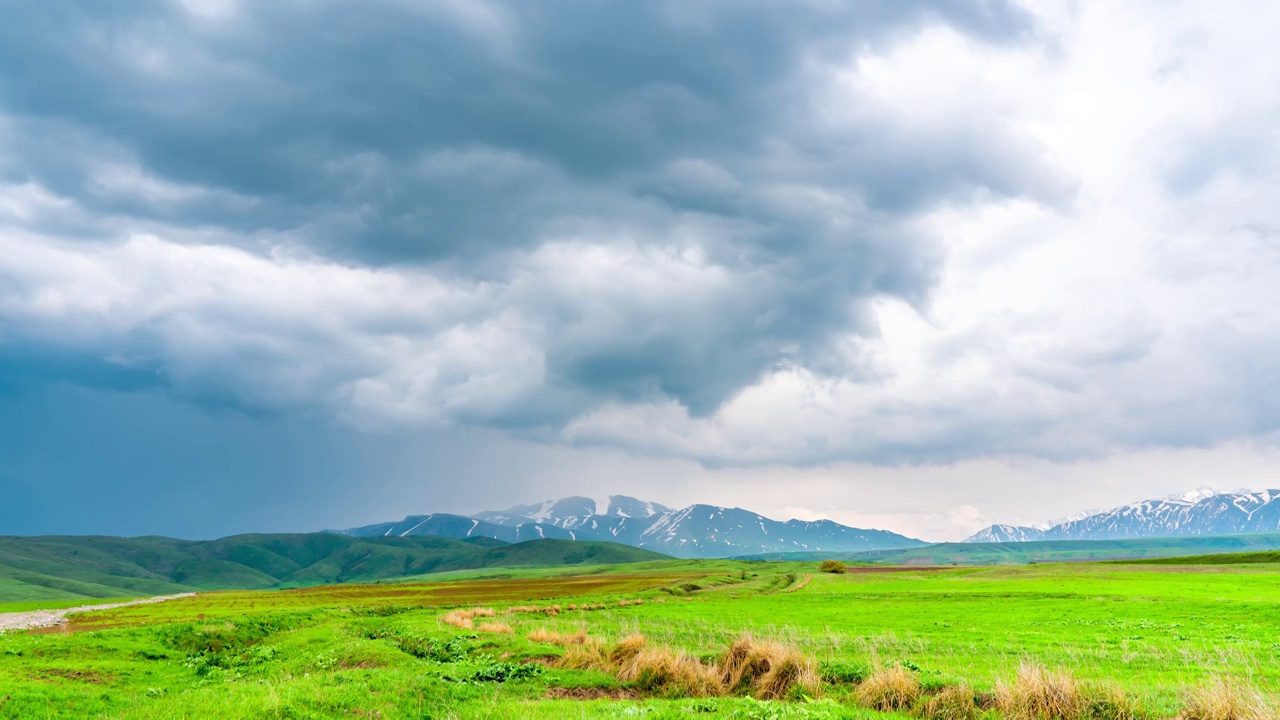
column 48, row 618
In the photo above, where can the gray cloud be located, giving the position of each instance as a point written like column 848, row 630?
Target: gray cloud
column 483, row 144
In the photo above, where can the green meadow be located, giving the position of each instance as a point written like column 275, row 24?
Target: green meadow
column 1156, row 640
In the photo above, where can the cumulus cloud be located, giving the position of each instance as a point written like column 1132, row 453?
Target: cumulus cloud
column 743, row 233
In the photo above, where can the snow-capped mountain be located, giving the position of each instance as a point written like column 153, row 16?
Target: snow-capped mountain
column 695, row 531
column 1203, row 511
column 1005, row 534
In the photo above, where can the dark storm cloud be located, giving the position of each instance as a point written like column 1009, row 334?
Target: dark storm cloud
column 457, row 136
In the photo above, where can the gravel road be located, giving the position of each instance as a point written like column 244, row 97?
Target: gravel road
column 49, row 618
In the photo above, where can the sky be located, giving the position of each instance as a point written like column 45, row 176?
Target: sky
column 920, row 266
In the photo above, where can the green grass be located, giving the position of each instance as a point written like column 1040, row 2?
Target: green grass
column 70, row 568
column 364, row 650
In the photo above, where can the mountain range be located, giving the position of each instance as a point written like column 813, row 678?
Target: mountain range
column 697, row 531
column 1203, row 511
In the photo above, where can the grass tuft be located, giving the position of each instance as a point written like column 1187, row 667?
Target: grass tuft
column 463, row 618
column 1223, row 700
column 953, row 702
column 768, row 670
column 551, row 637
column 1040, row 694
column 889, row 688
column 627, row 649
column 671, row 673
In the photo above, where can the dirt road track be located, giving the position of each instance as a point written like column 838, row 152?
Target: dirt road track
column 48, row 618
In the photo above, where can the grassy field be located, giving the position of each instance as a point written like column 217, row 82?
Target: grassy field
column 1136, row 640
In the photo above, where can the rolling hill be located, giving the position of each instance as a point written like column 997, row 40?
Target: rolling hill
column 68, row 567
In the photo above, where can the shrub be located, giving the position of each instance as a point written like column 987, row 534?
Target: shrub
column 890, row 688
column 832, row 566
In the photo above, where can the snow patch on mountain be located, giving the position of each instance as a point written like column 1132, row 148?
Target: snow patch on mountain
column 1203, row 511
column 695, row 531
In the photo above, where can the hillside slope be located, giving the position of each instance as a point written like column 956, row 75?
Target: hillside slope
column 63, row 567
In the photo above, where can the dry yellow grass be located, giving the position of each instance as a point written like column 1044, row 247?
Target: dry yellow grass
column 672, row 673
column 463, row 618
column 585, row 656
column 627, row 649
column 542, row 635
column 953, row 702
column 1037, row 694
column 1109, row 703
column 494, row 627
column 1224, row 701
column 889, row 688
column 769, row 670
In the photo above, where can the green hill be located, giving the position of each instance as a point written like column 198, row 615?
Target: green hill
column 1023, row 553
column 69, row 567
column 1245, row 558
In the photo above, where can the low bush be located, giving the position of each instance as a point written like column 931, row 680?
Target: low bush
column 832, row 566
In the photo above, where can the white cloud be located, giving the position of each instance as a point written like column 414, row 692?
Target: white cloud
column 1136, row 315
